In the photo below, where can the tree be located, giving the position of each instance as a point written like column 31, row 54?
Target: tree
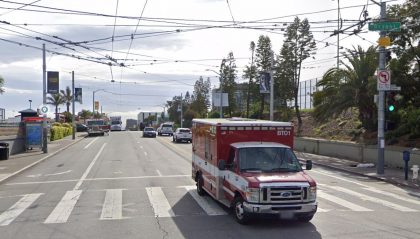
column 67, row 97
column 200, row 102
column 228, row 77
column 56, row 100
column 1, row 85
column 250, row 73
column 263, row 59
column 352, row 86
column 298, row 46
column 84, row 114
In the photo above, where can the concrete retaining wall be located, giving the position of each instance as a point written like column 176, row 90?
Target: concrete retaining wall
column 16, row 144
column 357, row 152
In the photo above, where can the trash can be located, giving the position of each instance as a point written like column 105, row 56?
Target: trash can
column 4, row 151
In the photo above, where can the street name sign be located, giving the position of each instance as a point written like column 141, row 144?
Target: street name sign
column 385, row 26
column 384, row 80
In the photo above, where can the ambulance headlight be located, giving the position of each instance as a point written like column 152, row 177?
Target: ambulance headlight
column 253, row 195
column 312, row 193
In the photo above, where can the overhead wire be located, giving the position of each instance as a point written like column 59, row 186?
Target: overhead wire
column 27, row 4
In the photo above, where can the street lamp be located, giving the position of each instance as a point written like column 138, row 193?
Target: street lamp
column 221, row 91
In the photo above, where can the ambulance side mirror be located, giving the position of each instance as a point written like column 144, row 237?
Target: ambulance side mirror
column 222, row 165
column 308, row 164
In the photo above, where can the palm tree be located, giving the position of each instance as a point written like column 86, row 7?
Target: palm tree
column 251, row 74
column 67, row 97
column 1, row 85
column 85, row 114
column 56, row 100
column 352, row 86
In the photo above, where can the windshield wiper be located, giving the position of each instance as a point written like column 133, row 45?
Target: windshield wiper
column 251, row 169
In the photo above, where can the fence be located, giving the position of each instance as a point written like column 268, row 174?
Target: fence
column 306, row 89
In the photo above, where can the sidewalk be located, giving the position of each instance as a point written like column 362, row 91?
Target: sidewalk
column 392, row 175
column 20, row 162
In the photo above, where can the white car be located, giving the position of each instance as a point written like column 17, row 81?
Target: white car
column 182, row 134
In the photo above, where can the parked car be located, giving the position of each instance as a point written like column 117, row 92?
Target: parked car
column 182, row 134
column 81, row 127
column 149, row 132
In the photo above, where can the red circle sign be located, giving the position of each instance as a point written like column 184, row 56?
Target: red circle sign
column 384, row 77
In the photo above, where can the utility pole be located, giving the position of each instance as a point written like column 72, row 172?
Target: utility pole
column 338, row 35
column 73, row 107
column 181, row 110
column 221, row 96
column 272, row 87
column 44, row 100
column 381, row 113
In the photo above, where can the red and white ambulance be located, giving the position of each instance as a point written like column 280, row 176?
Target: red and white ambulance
column 249, row 165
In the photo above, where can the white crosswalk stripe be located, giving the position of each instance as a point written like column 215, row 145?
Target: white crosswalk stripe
column 373, row 199
column 206, row 203
column 112, row 207
column 62, row 211
column 393, row 195
column 159, row 202
column 342, row 202
column 14, row 211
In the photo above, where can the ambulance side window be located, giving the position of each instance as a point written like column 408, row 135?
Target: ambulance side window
column 231, row 163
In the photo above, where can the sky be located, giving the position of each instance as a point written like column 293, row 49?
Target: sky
column 164, row 45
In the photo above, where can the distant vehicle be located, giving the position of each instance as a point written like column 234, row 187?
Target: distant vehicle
column 97, row 127
column 182, row 134
column 131, row 124
column 149, row 132
column 81, row 127
column 116, row 124
column 166, row 128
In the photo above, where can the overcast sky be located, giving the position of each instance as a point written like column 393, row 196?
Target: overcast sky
column 173, row 44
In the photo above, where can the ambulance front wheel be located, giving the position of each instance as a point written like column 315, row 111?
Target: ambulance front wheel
column 241, row 215
column 200, row 184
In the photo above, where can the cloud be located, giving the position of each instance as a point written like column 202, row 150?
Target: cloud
column 151, row 39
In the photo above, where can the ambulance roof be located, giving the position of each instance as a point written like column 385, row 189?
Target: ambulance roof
column 241, row 122
column 256, row 144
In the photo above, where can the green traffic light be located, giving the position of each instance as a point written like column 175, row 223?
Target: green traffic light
column 391, row 108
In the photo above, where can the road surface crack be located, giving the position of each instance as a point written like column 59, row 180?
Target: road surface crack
column 165, row 233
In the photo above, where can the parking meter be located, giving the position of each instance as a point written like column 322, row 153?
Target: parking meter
column 406, row 158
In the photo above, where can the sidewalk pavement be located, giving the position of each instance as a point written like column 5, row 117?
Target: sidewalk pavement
column 392, row 175
column 17, row 163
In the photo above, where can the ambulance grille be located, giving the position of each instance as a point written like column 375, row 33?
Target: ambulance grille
column 284, row 194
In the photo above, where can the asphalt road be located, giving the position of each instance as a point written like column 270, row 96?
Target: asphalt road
column 126, row 186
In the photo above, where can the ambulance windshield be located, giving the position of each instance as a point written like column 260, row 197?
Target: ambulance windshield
column 268, row 159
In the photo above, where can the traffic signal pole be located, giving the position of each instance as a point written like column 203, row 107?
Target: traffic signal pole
column 381, row 103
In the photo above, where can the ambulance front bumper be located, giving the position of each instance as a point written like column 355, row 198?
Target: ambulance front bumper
column 287, row 210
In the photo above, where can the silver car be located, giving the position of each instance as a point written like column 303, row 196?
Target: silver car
column 182, row 134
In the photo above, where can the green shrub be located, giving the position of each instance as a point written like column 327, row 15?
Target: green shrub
column 59, row 132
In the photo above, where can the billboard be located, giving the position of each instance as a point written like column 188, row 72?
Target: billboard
column 216, row 99
column 78, row 95
column 264, row 82
column 52, row 82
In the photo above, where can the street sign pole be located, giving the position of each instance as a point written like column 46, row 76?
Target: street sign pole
column 381, row 98
column 73, row 108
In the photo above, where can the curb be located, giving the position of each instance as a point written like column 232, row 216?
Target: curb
column 39, row 161
column 368, row 176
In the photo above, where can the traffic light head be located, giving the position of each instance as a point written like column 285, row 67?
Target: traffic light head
column 391, row 101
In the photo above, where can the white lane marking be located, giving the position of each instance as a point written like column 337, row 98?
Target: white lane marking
column 158, row 172
column 79, row 183
column 100, row 179
column 14, row 211
column 62, row 211
column 322, row 210
column 341, row 178
column 393, row 195
column 141, row 147
column 159, row 202
column 112, row 207
column 34, row 175
column 145, row 153
column 91, row 142
column 206, row 203
column 343, row 202
column 55, row 174
column 373, row 199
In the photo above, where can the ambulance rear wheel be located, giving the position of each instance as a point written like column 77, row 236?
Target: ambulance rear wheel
column 241, row 216
column 200, row 183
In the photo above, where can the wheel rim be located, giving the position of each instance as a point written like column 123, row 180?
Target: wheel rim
column 239, row 210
